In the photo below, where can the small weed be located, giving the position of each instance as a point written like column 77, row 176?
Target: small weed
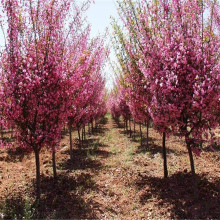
column 80, row 189
column 17, row 208
column 114, row 149
column 91, row 154
column 91, row 194
column 135, row 207
column 60, row 167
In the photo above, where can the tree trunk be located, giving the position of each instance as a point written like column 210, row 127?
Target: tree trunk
column 37, row 161
column 134, row 129
column 71, row 143
column 130, row 128
column 82, row 137
column 84, row 130
column 2, row 132
column 79, row 138
column 81, row 131
column 12, row 132
column 200, row 144
column 165, row 156
column 147, row 134
column 92, row 126
column 141, row 133
column 88, row 128
column 195, row 185
column 54, row 164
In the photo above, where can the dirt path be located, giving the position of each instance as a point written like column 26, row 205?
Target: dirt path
column 112, row 176
column 130, row 183
column 116, row 194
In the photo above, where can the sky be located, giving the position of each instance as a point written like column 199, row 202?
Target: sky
column 99, row 15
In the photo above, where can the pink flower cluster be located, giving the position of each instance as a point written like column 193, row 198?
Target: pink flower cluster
column 50, row 70
column 170, row 68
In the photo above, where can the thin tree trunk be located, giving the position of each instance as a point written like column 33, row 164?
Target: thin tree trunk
column 195, row 185
column 147, row 134
column 84, row 130
column 88, row 128
column 92, row 126
column 54, row 164
column 200, row 144
column 78, row 130
column 2, row 132
column 82, row 134
column 12, row 132
column 130, row 128
column 165, row 156
column 37, row 161
column 71, row 143
column 134, row 130
column 141, row 133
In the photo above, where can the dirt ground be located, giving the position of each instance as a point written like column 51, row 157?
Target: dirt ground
column 112, row 176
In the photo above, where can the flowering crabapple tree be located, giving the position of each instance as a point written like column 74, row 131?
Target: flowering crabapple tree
column 177, row 52
column 35, row 82
column 87, row 76
column 183, row 70
column 138, row 87
column 126, row 49
column 113, row 105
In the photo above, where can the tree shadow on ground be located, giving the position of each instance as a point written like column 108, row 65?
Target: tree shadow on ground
column 14, row 206
column 92, row 144
column 153, row 148
column 125, row 132
column 15, row 154
column 176, row 193
column 64, row 198
column 61, row 199
column 103, row 121
column 99, row 131
column 117, row 124
column 81, row 161
column 85, row 151
column 84, row 157
column 215, row 148
column 100, row 128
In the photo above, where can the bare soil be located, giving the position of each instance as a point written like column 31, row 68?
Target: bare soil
column 111, row 176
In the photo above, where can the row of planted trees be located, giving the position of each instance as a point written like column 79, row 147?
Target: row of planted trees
column 50, row 73
column 168, row 55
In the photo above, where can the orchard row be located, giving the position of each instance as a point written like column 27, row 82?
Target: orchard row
column 169, row 69
column 50, row 73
